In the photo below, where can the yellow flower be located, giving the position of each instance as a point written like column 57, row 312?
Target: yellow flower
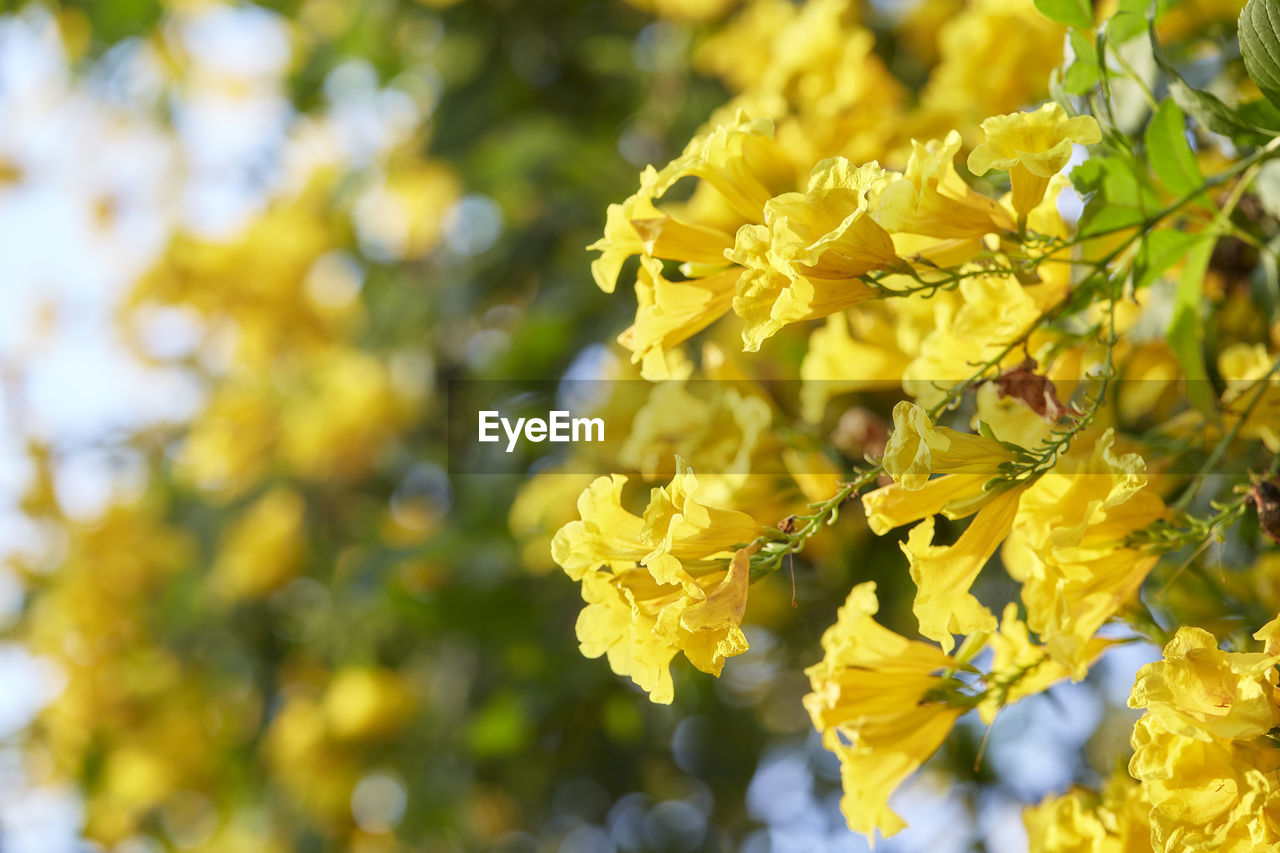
column 229, row 446
column 1198, row 750
column 670, row 312
column 367, row 703
column 995, row 310
column 1245, row 367
column 641, row 624
column 854, row 350
column 684, row 10
column 740, row 159
column 682, row 527
column 343, row 411
column 995, row 55
column 873, row 702
column 807, row 258
column 544, row 504
column 739, row 167
column 405, row 213
column 1032, row 147
column 1021, row 667
column 819, row 69
column 944, row 574
column 713, row 426
column 1067, row 545
column 675, row 527
column 657, row 585
column 1207, row 796
column 1202, row 692
column 262, row 551
column 606, row 535
column 752, row 32
column 1081, row 821
column 931, row 199
column 638, row 227
column 952, row 495
column 917, row 449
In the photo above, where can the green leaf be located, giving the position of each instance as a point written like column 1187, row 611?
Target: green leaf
column 1083, row 73
column 1123, row 26
column 1267, row 186
column 1129, row 20
column 1169, row 152
column 1261, row 114
column 1073, row 13
column 1253, row 123
column 1116, row 198
column 1260, row 46
column 1186, row 329
column 1158, row 251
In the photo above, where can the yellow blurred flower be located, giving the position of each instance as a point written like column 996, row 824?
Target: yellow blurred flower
column 1082, row 821
column 367, row 703
column 994, row 56
column 1246, row 368
column 262, row 550
column 993, row 310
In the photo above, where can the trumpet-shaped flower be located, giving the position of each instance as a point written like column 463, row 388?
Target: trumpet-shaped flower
column 874, row 700
column 1202, row 692
column 638, row 227
column 931, row 199
column 641, row 625
column 944, row 574
column 670, row 312
column 1032, row 147
column 917, row 449
column 952, row 495
column 657, row 585
column 1067, row 545
column 675, row 526
column 807, row 258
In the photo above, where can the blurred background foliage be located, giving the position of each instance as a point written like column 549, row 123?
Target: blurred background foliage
column 282, row 625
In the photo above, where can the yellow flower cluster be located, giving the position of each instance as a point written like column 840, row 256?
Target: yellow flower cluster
column 1203, row 751
column 930, row 243
column 1116, row 821
column 291, row 392
column 777, row 250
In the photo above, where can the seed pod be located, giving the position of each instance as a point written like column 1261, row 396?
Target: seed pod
column 1037, row 391
column 1264, row 495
